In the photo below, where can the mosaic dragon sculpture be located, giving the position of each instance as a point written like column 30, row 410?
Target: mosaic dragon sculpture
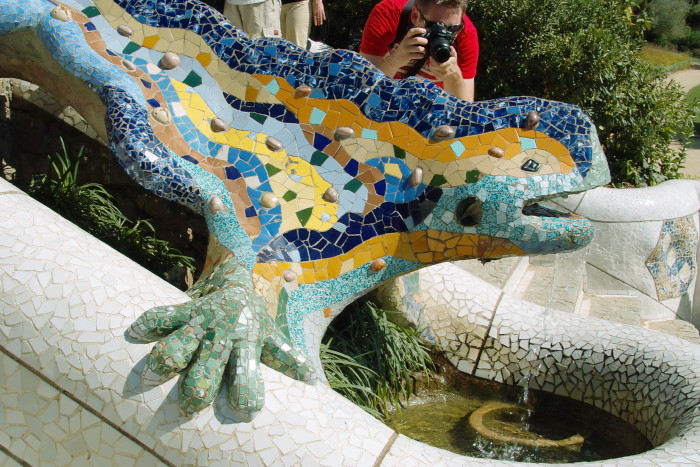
column 318, row 176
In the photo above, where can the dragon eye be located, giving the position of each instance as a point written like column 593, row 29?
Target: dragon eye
column 469, row 212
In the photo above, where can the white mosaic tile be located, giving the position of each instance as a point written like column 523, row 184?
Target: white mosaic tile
column 86, row 355
column 42, row 426
column 649, row 379
column 406, row 452
column 67, row 300
column 666, row 201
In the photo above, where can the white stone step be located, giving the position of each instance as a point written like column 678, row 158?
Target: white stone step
column 557, row 281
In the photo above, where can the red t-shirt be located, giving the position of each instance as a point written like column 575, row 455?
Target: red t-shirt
column 380, row 31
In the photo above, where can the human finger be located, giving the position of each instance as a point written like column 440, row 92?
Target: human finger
column 416, row 36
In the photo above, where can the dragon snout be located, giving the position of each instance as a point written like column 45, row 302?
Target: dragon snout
column 470, row 211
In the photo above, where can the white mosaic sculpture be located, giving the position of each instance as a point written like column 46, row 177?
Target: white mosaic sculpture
column 72, row 393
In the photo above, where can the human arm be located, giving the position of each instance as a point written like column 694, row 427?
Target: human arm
column 412, row 47
column 452, row 78
column 318, row 12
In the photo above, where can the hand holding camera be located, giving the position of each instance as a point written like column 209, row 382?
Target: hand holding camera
column 412, row 47
column 440, row 40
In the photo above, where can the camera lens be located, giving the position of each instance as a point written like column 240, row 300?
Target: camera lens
column 440, row 50
column 439, row 41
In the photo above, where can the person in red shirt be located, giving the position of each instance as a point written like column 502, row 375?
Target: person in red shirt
column 395, row 55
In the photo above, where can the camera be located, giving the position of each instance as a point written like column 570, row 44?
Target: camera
column 440, row 40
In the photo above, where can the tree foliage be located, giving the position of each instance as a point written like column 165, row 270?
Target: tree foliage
column 586, row 52
column 668, row 18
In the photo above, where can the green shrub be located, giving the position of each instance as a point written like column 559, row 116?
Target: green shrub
column 371, row 360
column 690, row 41
column 692, row 19
column 92, row 208
column 587, row 52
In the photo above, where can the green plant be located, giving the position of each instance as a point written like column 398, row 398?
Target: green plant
column 372, row 360
column 690, row 41
column 91, row 207
column 587, row 52
column 350, row 378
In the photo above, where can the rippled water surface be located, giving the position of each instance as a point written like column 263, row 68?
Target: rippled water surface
column 441, row 418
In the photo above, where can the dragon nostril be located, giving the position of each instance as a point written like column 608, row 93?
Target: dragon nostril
column 469, row 212
column 531, row 165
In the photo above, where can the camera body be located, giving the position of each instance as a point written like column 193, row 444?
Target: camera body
column 440, row 40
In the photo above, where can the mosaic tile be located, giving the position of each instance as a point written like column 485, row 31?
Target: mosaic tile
column 166, row 70
column 643, row 377
column 672, row 263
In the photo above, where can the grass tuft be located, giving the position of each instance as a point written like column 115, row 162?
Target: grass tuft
column 371, row 360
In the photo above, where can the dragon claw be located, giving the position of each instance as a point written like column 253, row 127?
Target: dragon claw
column 224, row 334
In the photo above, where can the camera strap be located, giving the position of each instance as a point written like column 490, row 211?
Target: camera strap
column 404, row 22
column 402, row 29
column 416, row 67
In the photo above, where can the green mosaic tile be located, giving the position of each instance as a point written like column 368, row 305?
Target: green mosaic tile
column 438, row 180
column 472, row 176
column 193, row 79
column 130, row 48
column 272, row 170
column 318, row 158
column 91, row 11
column 258, row 118
column 289, row 195
column 304, row 215
column 353, row 185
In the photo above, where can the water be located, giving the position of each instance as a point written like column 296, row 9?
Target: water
column 441, row 418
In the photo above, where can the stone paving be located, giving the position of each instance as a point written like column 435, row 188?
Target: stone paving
column 688, row 79
column 542, row 283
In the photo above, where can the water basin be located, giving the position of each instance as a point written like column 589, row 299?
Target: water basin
column 550, row 427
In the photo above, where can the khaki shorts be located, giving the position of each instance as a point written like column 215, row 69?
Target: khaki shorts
column 296, row 23
column 257, row 20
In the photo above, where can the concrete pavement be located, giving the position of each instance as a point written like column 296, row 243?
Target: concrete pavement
column 688, row 79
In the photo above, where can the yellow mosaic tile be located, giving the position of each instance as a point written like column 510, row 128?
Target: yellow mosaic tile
column 150, row 41
column 204, row 59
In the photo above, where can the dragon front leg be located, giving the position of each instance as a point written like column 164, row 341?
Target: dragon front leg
column 225, row 332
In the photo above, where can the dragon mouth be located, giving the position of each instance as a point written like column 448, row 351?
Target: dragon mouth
column 534, row 208
column 470, row 211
